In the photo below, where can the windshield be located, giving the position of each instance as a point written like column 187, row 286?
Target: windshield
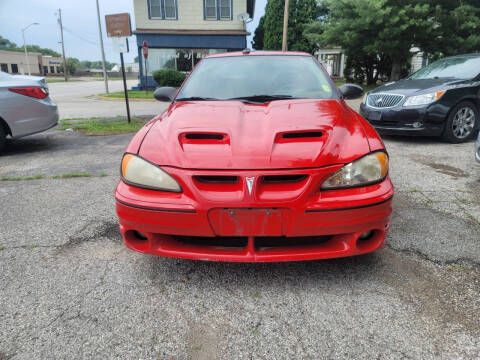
column 269, row 76
column 459, row 68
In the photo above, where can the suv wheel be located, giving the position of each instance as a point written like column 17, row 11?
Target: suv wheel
column 461, row 123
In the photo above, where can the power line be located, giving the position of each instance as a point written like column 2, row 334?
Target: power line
column 91, row 42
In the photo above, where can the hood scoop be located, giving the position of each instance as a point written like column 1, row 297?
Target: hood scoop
column 302, row 135
column 203, row 138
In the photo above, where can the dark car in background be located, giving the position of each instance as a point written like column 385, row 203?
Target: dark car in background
column 441, row 99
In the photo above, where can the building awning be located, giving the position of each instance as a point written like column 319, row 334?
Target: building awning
column 191, row 32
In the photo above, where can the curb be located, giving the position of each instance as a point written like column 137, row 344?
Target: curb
column 100, row 97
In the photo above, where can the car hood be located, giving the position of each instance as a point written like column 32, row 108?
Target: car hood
column 236, row 135
column 418, row 86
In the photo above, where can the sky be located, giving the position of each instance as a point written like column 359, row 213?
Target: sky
column 80, row 25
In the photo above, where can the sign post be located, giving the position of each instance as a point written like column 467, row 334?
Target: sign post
column 119, row 27
column 145, row 56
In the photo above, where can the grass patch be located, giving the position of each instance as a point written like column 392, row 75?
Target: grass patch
column 197, row 347
column 132, row 94
column 2, row 247
column 103, row 126
column 20, row 178
column 71, row 175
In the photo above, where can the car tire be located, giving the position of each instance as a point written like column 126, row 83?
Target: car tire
column 3, row 138
column 462, row 123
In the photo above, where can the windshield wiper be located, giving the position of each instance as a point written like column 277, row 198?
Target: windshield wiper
column 195, row 98
column 262, row 98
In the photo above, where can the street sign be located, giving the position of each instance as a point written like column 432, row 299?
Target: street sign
column 118, row 25
column 145, row 49
column 120, row 44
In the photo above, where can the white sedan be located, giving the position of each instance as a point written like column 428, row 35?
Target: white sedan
column 25, row 107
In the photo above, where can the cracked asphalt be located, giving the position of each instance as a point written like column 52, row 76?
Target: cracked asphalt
column 71, row 290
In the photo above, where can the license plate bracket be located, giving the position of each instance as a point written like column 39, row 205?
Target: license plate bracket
column 374, row 115
column 247, row 222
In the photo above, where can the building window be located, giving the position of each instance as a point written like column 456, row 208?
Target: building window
column 217, row 9
column 225, row 9
column 170, row 7
column 45, row 69
column 4, row 67
column 14, row 68
column 211, row 9
column 52, row 69
column 162, row 9
column 178, row 59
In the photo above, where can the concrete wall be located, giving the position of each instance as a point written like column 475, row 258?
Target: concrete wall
column 190, row 17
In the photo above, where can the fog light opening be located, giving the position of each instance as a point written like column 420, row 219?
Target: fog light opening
column 366, row 235
column 139, row 235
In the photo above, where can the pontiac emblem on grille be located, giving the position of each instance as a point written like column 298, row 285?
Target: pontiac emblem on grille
column 379, row 101
column 250, row 180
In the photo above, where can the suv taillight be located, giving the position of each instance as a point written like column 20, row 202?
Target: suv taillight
column 32, row 91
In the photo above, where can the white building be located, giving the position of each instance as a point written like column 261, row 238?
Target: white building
column 180, row 33
column 15, row 62
column 333, row 59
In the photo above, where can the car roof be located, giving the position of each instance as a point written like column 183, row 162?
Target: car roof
column 257, row 53
column 473, row 55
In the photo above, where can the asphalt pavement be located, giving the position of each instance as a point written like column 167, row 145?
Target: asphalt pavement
column 71, row 290
column 78, row 100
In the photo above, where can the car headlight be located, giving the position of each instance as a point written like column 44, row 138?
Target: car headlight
column 368, row 169
column 423, row 99
column 364, row 99
column 139, row 172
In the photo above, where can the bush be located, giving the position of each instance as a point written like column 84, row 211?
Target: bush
column 169, row 77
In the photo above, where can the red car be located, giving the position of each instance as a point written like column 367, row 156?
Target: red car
column 258, row 158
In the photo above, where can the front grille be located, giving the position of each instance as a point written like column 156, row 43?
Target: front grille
column 261, row 242
column 283, row 241
column 382, row 101
column 216, row 178
column 283, row 178
column 383, row 123
column 217, row 241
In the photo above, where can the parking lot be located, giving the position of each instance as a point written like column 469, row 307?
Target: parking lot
column 70, row 289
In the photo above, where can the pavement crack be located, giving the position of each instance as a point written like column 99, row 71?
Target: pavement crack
column 107, row 230
column 418, row 253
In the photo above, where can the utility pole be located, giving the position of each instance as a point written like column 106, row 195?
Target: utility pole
column 103, row 51
column 285, row 26
column 63, row 45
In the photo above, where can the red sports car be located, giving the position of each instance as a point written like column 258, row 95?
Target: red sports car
column 258, row 158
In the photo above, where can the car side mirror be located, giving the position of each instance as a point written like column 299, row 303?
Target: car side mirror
column 165, row 93
column 351, row 91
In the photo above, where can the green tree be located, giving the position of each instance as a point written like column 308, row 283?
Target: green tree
column 301, row 13
column 259, row 35
column 72, row 64
column 377, row 35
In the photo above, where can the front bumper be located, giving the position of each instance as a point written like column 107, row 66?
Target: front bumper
column 400, row 120
column 284, row 223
